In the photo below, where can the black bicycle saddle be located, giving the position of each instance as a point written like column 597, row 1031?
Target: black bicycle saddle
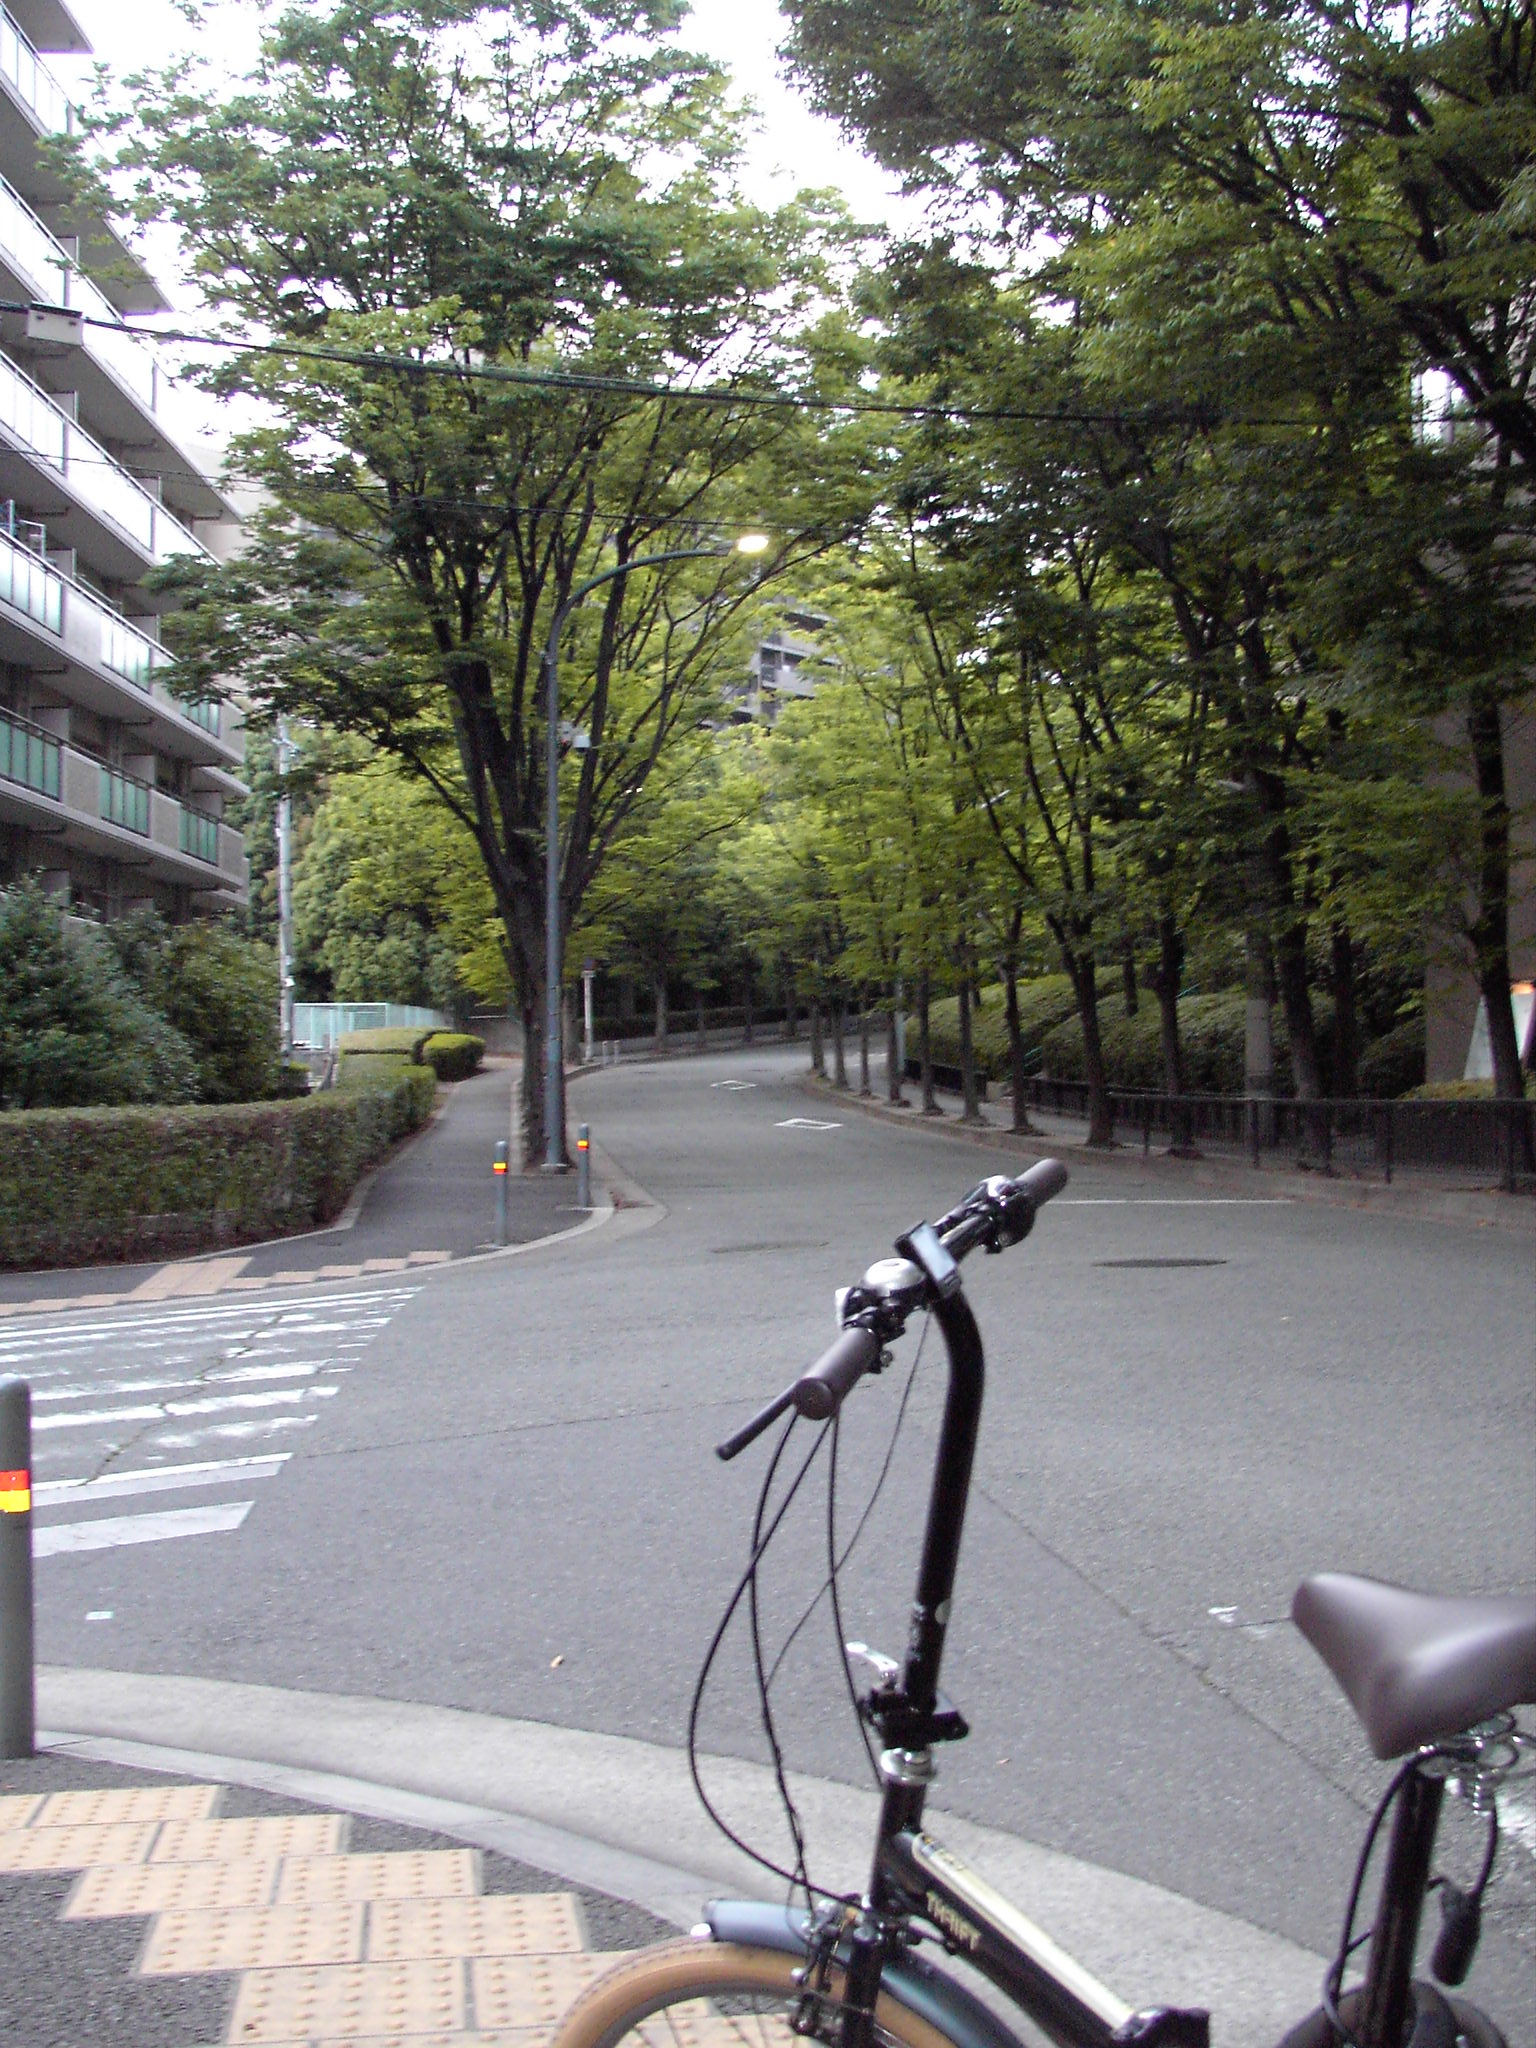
column 1416, row 1666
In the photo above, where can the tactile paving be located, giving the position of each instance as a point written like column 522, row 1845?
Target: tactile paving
column 74, row 1848
column 105, row 1894
column 213, row 1841
column 530, row 1991
column 252, row 1938
column 388, row 1874
column 345, row 2002
column 149, row 1802
column 17, row 1808
column 517, row 1924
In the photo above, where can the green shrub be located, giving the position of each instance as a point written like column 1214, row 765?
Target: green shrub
column 218, row 990
column 401, row 1038
column 1043, row 1003
column 1394, row 1063
column 86, row 1184
column 74, row 1029
column 1452, row 1091
column 453, row 1055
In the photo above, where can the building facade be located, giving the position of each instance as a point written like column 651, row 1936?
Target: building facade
column 786, row 664
column 111, row 789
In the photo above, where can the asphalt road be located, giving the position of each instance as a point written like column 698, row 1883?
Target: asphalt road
column 510, row 1504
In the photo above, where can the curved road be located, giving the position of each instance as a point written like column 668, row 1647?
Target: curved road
column 508, row 1503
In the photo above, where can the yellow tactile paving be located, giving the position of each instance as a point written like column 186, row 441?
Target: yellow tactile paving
column 347, row 2001
column 75, row 1848
column 252, row 1938
column 17, row 1808
column 107, row 1894
column 149, row 1802
column 211, row 1841
column 517, row 1924
column 391, row 1874
column 530, row 1991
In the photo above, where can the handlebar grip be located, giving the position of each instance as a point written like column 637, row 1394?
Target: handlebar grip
column 1043, row 1180
column 821, row 1391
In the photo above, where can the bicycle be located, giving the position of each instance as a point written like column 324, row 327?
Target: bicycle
column 1433, row 1680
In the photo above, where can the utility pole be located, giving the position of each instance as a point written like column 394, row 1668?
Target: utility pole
column 286, row 750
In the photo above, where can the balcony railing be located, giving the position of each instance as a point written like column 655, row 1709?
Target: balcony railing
column 30, row 585
column 31, row 415
column 29, row 755
column 124, row 800
column 31, row 80
column 205, row 714
column 38, row 256
column 199, row 835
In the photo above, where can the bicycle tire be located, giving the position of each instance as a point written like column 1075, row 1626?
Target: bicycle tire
column 713, row 1994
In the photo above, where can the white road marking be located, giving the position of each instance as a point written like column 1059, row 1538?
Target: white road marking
column 805, row 1123
column 116, row 1530
column 230, row 1432
column 734, row 1087
column 168, row 1408
column 161, row 1479
column 116, row 1387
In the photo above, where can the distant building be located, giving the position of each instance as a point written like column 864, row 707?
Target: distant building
column 110, row 788
column 786, row 663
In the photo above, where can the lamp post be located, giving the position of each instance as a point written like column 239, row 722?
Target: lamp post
column 554, row 1134
column 286, row 749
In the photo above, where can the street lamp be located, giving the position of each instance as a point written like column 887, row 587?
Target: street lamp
column 554, row 1133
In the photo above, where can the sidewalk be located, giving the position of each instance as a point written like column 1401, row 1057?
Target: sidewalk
column 1422, row 1195
column 341, row 1876
column 432, row 1202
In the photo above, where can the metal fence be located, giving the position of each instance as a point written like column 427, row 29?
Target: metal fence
column 319, row 1025
column 1486, row 1141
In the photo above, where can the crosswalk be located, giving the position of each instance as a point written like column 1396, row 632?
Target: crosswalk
column 203, row 1405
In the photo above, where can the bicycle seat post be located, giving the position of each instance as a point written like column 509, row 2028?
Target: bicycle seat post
column 1386, row 1993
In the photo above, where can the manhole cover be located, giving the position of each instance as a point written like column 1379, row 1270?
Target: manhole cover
column 1159, row 1262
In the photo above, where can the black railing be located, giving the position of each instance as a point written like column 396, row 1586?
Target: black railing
column 1486, row 1139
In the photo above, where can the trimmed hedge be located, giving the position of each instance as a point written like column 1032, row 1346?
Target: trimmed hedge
column 79, row 1185
column 453, row 1055
column 402, row 1038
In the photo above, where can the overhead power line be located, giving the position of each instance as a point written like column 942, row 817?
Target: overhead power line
column 722, row 395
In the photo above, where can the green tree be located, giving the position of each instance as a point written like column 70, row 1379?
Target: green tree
column 477, row 236
column 74, row 1029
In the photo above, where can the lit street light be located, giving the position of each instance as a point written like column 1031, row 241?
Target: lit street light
column 554, row 1120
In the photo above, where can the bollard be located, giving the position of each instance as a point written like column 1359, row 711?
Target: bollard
column 18, row 1688
column 583, row 1167
column 499, row 1169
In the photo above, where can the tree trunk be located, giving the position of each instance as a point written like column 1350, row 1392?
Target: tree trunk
column 1290, row 949
column 789, row 1001
column 1490, row 928
column 1345, row 1079
column 746, row 1004
column 1017, row 1079
column 925, row 1044
column 839, row 1050
column 1128, row 980
column 864, row 1087
column 659, row 987
column 970, row 1101
column 530, row 1016
column 1163, row 978
column 818, row 1050
column 893, row 1074
column 1083, row 971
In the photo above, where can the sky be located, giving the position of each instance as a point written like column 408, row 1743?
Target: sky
column 794, row 147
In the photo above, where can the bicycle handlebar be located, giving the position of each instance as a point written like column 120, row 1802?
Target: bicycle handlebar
column 997, row 1213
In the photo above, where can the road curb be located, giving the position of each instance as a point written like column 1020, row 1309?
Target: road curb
column 1484, row 1209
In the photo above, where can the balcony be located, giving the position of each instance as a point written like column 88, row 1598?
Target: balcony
column 28, row 755
column 82, row 803
column 31, row 81
column 125, row 509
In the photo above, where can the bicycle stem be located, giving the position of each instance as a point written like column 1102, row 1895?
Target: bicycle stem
column 905, row 1795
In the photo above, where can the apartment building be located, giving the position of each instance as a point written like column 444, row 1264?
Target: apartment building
column 111, row 789
column 785, row 664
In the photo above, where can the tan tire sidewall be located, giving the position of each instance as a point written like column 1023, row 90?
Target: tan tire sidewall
column 695, row 1969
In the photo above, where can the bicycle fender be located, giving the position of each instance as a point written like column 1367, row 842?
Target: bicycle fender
column 911, row 1980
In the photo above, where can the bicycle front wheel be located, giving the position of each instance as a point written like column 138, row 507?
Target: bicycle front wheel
column 713, row 1994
